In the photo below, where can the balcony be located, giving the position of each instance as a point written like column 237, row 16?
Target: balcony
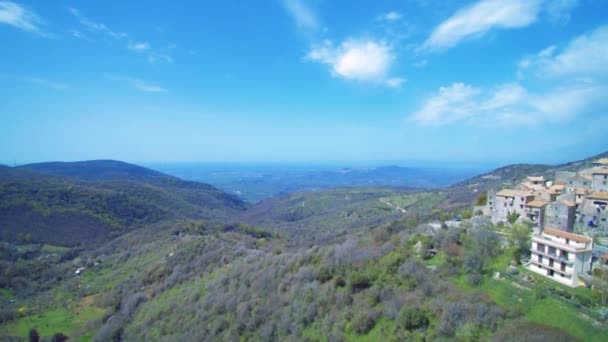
column 552, row 256
column 556, row 269
column 542, row 239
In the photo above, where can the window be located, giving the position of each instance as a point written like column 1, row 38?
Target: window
column 565, row 254
column 540, row 259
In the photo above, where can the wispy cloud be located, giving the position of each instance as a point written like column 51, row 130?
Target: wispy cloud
column 390, row 16
column 586, row 56
column 559, row 10
column 574, row 82
column 509, row 105
column 37, row 81
column 20, row 17
column 153, row 56
column 94, row 26
column 360, row 60
column 138, row 84
column 303, row 15
column 139, row 46
column 480, row 18
column 79, row 35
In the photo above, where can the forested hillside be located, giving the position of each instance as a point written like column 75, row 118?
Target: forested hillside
column 36, row 207
column 341, row 264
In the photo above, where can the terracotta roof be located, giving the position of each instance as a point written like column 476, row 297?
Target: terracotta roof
column 536, row 178
column 536, row 204
column 599, row 171
column 599, row 195
column 604, row 256
column 513, row 193
column 580, row 191
column 568, row 203
column 603, row 161
column 566, row 235
column 532, row 186
column 558, row 186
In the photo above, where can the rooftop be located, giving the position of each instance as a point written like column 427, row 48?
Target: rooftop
column 513, row 193
column 599, row 195
column 536, row 204
column 536, row 179
column 532, row 186
column 599, row 171
column 568, row 203
column 602, row 161
column 558, row 186
column 566, row 235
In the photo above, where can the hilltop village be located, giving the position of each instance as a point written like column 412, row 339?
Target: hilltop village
column 564, row 215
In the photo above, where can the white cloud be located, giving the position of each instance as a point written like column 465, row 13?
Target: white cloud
column 96, row 27
column 559, row 10
column 390, row 16
column 155, row 57
column 586, row 56
column 420, row 64
column 138, row 84
column 19, row 17
column 394, row 82
column 303, row 15
column 360, row 60
column 79, row 35
column 37, row 81
column 139, row 47
column 147, row 87
column 481, row 17
column 509, row 105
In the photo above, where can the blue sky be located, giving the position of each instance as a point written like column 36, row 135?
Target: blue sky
column 294, row 80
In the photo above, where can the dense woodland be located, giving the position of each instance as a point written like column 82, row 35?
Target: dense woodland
column 342, row 266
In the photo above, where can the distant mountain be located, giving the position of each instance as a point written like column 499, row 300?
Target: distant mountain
column 258, row 182
column 86, row 202
column 100, row 170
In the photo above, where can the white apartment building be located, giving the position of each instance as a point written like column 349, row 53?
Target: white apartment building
column 561, row 256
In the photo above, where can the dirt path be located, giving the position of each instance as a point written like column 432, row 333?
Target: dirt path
column 399, row 209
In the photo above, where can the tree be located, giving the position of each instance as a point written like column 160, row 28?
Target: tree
column 512, row 218
column 482, row 199
column 34, row 336
column 520, row 241
column 59, row 337
column 467, row 214
column 600, row 283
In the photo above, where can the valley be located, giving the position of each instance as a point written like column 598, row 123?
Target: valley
column 343, row 263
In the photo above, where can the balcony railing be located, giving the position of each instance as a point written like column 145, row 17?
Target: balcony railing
column 556, row 269
column 553, row 256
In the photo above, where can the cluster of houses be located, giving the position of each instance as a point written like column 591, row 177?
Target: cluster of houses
column 573, row 201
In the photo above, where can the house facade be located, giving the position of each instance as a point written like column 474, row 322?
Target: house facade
column 561, row 215
column 561, row 256
column 505, row 202
column 599, row 180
